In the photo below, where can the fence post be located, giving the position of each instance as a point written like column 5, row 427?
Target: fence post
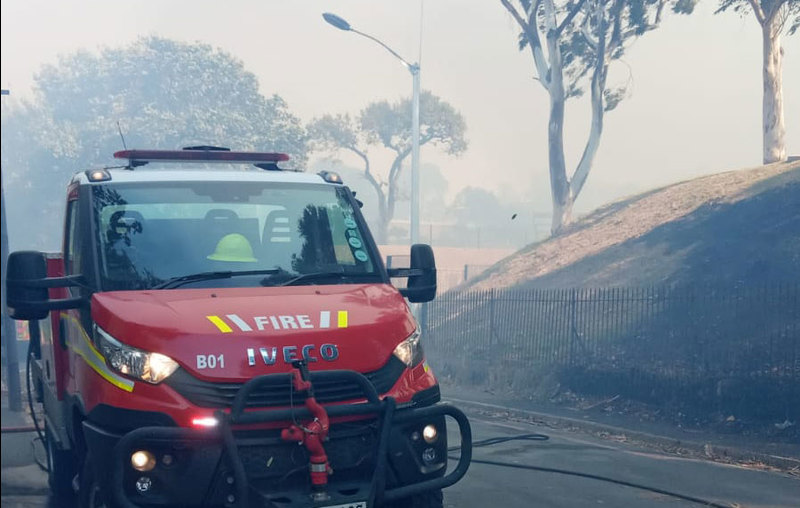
column 8, row 328
column 491, row 317
column 654, row 343
column 573, row 331
column 423, row 317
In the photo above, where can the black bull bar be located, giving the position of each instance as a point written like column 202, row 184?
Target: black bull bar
column 384, row 409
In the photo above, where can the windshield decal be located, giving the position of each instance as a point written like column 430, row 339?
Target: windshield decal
column 353, row 237
column 227, row 323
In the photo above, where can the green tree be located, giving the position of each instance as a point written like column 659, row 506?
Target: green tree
column 573, row 42
column 773, row 16
column 164, row 94
column 388, row 125
column 35, row 174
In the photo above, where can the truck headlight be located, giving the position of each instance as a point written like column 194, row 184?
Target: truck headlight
column 410, row 350
column 132, row 362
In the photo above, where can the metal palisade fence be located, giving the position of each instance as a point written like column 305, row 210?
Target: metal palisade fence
column 727, row 349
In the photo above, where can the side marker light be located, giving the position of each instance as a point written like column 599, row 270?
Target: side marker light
column 98, row 175
column 205, row 422
column 330, row 176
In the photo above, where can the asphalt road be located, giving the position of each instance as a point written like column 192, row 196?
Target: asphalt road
column 491, row 485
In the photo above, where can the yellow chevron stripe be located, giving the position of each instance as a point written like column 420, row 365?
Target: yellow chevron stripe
column 219, row 323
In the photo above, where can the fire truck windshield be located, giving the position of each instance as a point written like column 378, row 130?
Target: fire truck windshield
column 150, row 233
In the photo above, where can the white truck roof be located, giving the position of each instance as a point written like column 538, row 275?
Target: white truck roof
column 145, row 174
column 201, row 164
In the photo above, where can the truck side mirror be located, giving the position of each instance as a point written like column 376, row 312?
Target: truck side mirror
column 26, row 302
column 421, row 275
column 27, row 286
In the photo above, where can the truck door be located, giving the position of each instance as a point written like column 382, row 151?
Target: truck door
column 75, row 324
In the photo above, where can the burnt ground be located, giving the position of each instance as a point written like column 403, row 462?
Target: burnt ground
column 752, row 241
column 733, row 229
column 739, row 227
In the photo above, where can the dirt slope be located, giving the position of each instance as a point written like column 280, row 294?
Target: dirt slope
column 737, row 227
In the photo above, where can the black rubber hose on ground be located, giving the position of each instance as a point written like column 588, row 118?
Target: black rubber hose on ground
column 544, row 437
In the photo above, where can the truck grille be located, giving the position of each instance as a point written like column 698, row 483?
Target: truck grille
column 278, row 393
column 277, row 458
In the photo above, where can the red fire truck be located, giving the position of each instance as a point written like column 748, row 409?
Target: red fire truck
column 221, row 332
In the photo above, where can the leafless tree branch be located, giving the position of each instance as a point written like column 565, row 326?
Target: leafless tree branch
column 759, row 12
column 570, row 16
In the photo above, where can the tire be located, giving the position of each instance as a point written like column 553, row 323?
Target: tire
column 89, row 493
column 60, row 471
column 432, row 499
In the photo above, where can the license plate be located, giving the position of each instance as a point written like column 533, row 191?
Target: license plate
column 356, row 504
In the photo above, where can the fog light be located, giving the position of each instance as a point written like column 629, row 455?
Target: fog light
column 415, row 436
column 429, row 456
column 143, row 484
column 430, row 434
column 143, row 460
column 167, row 459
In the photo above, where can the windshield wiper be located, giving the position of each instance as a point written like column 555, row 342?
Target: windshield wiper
column 304, row 277
column 194, row 277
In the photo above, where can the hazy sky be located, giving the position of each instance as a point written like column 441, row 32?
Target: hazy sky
column 694, row 107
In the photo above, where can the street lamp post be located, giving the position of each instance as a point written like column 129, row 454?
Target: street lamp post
column 413, row 68
column 415, row 157
column 9, row 330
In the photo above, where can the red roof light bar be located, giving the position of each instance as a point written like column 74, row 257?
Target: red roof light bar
column 200, row 156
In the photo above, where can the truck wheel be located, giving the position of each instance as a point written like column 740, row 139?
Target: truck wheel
column 60, row 470
column 89, row 494
column 432, row 499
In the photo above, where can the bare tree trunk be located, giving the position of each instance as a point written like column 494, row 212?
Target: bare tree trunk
column 381, row 233
column 774, row 126
column 383, row 220
column 598, row 86
column 387, row 213
column 387, row 210
column 559, row 186
column 562, row 214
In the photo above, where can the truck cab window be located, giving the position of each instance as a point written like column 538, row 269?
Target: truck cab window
column 149, row 234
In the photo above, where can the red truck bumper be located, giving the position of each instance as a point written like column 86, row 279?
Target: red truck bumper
column 376, row 453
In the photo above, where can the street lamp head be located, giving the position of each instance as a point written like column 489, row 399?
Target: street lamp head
column 336, row 21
